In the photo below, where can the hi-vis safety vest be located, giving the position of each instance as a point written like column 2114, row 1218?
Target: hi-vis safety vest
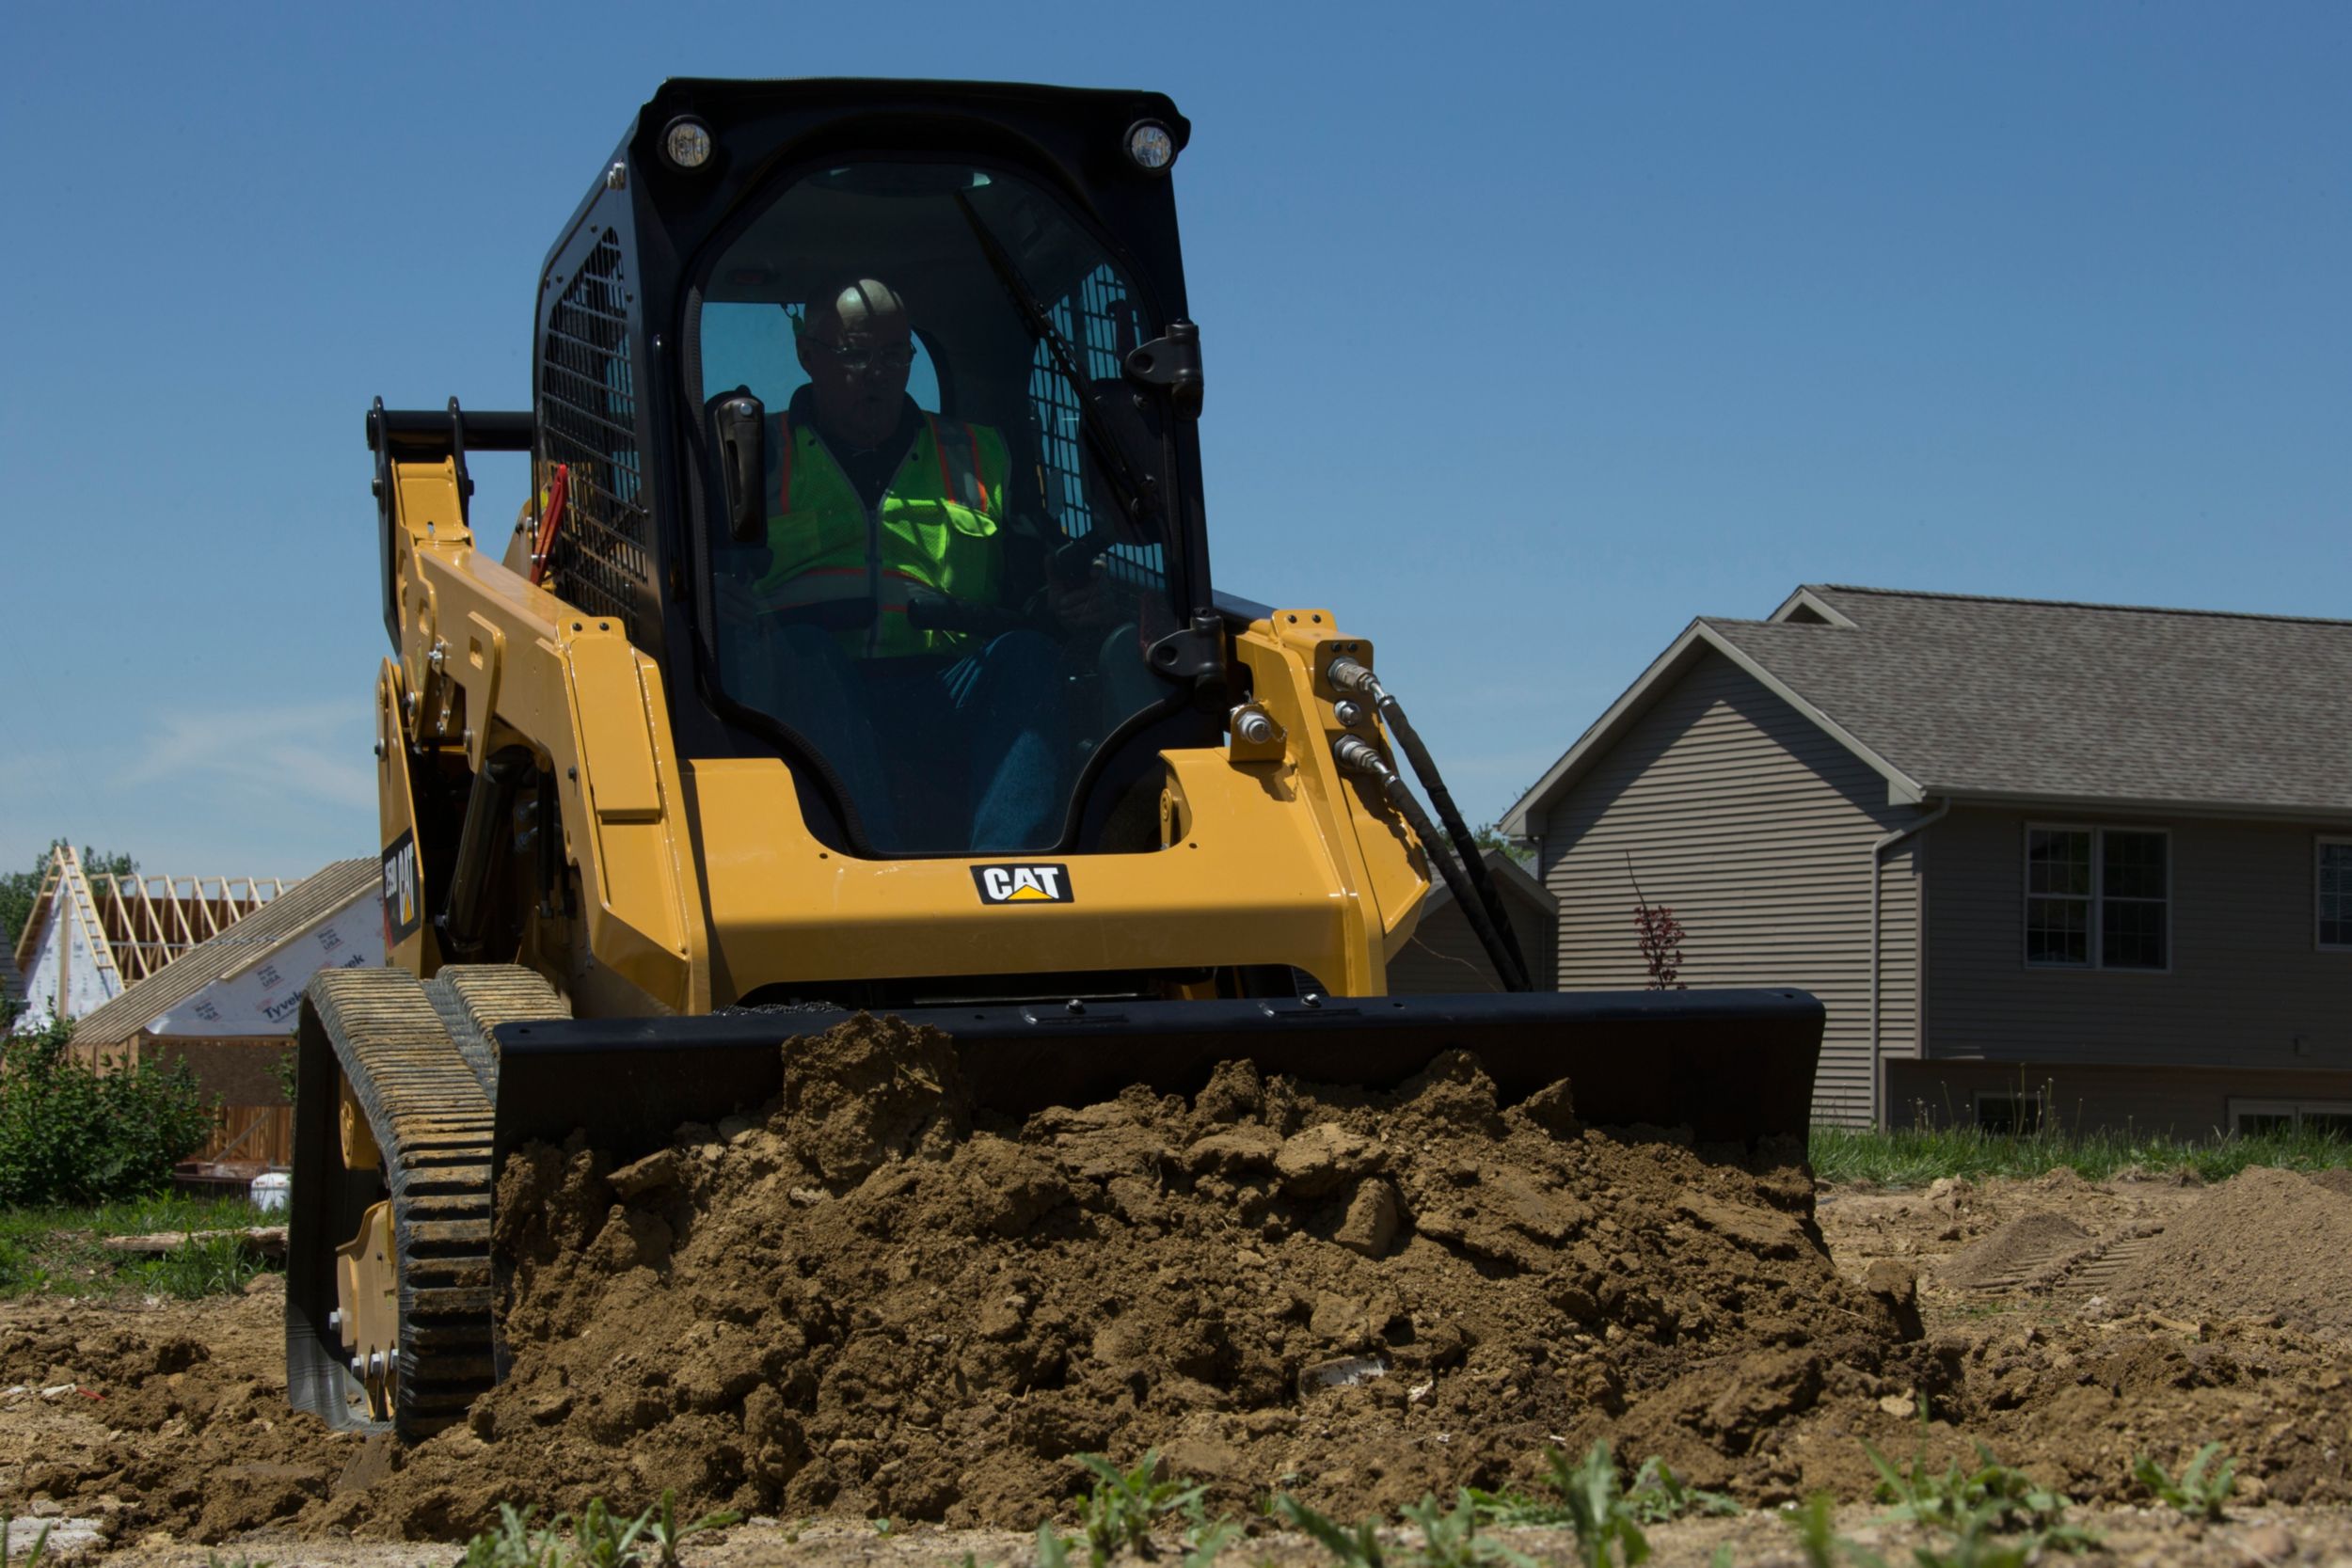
column 933, row 537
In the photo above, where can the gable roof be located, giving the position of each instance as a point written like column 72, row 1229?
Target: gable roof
column 66, row 966
column 237, row 949
column 1950, row 696
column 1511, row 881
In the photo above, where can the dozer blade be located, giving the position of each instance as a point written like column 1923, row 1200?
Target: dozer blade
column 1732, row 1066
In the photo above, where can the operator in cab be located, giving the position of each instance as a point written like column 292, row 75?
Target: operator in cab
column 918, row 624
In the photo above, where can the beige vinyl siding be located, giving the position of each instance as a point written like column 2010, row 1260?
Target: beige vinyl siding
column 1444, row 956
column 1755, row 828
column 2248, row 986
column 1900, row 892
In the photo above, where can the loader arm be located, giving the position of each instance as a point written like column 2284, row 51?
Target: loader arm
column 485, row 661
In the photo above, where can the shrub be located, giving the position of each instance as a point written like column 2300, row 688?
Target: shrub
column 70, row 1134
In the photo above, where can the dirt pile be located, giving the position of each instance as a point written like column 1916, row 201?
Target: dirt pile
column 2266, row 1243
column 2028, row 1249
column 870, row 1301
column 140, row 1417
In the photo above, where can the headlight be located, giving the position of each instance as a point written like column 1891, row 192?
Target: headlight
column 686, row 142
column 1151, row 145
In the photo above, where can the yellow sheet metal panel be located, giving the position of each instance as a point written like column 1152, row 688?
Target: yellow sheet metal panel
column 1249, row 885
column 1388, row 865
column 407, row 935
column 617, row 764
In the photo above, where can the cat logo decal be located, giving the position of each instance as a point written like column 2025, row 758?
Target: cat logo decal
column 1023, row 884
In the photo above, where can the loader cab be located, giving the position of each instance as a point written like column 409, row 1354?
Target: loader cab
column 955, row 573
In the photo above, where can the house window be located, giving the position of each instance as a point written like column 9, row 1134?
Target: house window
column 2335, row 893
column 2098, row 897
column 2248, row 1118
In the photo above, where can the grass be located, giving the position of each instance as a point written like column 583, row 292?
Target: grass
column 58, row 1250
column 598, row 1538
column 2204, row 1489
column 1912, row 1156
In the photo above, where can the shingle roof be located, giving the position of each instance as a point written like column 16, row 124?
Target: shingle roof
column 243, row 944
column 1511, row 879
column 1954, row 696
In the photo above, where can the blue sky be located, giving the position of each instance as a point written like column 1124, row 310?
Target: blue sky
column 1531, row 334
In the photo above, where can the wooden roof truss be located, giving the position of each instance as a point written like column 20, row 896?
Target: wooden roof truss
column 137, row 924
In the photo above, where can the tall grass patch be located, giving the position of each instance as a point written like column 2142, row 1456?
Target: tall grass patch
column 1915, row 1156
column 62, row 1251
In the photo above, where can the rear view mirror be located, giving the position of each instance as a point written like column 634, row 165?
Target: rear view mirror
column 742, row 461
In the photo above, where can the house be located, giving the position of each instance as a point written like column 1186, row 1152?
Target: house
column 88, row 937
column 1444, row 956
column 228, row 1008
column 2093, row 861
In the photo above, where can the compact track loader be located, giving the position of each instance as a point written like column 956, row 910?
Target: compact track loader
column 750, row 722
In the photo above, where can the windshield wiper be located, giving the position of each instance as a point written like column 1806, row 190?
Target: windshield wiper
column 1142, row 512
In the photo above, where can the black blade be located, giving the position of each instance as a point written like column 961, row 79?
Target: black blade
column 1732, row 1066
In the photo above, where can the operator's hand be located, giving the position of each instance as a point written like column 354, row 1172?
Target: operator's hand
column 1086, row 604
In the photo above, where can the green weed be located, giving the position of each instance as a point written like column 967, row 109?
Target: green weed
column 40, row 1544
column 1450, row 1538
column 2202, row 1490
column 215, row 1265
column 1356, row 1548
column 1123, row 1506
column 1205, row 1538
column 1658, row 1496
column 1604, row 1521
column 597, row 1539
column 1814, row 1522
column 1977, row 1506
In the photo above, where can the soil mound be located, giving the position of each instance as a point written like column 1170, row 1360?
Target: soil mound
column 2031, row 1246
column 2265, row 1242
column 2338, row 1180
column 869, row 1301
column 143, row 1417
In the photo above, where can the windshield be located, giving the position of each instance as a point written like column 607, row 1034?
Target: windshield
column 955, row 565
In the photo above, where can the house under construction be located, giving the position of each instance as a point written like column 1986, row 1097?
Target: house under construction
column 89, row 938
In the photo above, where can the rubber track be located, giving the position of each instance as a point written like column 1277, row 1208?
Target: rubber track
column 431, row 1116
column 475, row 999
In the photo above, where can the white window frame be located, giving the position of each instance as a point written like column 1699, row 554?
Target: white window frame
column 2297, row 1109
column 2094, row 952
column 2319, row 854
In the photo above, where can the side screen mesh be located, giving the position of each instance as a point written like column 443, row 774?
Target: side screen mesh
column 1101, row 323
column 588, row 419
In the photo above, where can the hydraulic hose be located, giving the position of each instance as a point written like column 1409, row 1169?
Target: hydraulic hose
column 1349, row 676
column 1357, row 755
